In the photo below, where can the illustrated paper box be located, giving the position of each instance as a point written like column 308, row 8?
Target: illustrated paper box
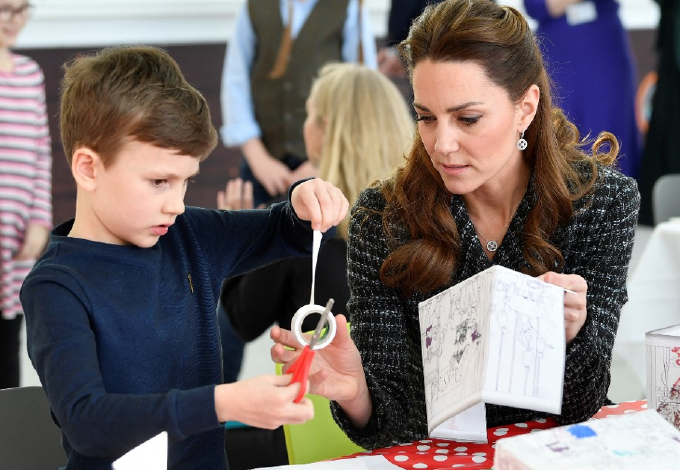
column 663, row 372
column 640, row 440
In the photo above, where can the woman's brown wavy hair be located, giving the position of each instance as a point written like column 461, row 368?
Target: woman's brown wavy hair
column 498, row 39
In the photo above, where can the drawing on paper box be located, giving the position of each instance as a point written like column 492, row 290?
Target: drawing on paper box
column 499, row 331
column 663, row 372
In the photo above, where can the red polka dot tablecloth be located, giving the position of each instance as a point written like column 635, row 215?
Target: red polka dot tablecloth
column 435, row 454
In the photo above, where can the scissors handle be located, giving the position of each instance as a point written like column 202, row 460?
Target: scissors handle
column 300, row 371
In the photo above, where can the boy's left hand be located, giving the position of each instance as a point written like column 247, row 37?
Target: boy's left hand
column 320, row 202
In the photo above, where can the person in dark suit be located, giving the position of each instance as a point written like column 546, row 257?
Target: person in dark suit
column 402, row 14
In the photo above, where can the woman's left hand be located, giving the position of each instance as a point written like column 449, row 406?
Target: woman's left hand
column 575, row 305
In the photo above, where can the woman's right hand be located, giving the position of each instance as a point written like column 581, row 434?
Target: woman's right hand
column 336, row 372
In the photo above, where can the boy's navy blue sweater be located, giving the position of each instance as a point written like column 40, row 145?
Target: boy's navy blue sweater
column 125, row 339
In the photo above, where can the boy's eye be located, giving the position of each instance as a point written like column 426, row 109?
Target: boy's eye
column 159, row 182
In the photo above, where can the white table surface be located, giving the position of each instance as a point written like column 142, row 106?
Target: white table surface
column 653, row 302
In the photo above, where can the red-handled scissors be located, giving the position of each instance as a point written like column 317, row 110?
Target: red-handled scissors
column 300, row 368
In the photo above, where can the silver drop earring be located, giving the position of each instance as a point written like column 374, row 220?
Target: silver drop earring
column 522, row 143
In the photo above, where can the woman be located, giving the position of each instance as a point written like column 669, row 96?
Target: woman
column 357, row 129
column 495, row 176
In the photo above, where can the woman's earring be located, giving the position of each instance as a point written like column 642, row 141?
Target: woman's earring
column 521, row 143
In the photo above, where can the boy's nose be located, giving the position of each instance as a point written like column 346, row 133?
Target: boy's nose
column 174, row 205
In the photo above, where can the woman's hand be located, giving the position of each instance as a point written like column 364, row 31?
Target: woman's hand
column 320, row 202
column 575, row 305
column 336, row 371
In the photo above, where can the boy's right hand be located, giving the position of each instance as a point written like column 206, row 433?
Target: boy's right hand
column 264, row 402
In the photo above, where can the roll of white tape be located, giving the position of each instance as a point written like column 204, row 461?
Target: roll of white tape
column 299, row 317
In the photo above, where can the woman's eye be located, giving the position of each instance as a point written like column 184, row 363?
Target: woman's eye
column 425, row 119
column 470, row 120
column 158, row 182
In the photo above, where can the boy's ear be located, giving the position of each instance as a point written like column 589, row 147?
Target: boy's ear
column 528, row 106
column 85, row 166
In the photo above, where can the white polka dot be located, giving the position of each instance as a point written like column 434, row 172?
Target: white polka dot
column 425, row 441
column 420, row 465
column 541, row 420
column 478, row 459
column 522, row 425
column 644, row 406
column 461, row 453
column 482, row 454
column 441, row 451
column 500, row 432
column 401, row 458
column 423, row 448
column 460, row 449
column 440, row 458
column 493, row 446
column 443, row 444
column 421, row 453
column 612, row 406
column 404, row 444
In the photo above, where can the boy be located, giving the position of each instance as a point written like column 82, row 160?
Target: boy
column 120, row 309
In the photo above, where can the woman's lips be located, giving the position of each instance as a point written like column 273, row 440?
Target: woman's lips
column 453, row 170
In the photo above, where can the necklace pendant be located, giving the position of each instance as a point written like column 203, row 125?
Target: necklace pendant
column 492, row 245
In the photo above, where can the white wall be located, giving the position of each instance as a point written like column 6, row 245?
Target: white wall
column 85, row 23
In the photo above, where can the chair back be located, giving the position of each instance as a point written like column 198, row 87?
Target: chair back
column 318, row 439
column 666, row 198
column 29, row 439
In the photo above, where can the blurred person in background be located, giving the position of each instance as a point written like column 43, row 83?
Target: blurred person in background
column 402, row 13
column 277, row 48
column 25, row 180
column 662, row 152
column 588, row 55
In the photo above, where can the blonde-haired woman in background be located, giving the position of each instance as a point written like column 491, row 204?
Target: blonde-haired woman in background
column 357, row 130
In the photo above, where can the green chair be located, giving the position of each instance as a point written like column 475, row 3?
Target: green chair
column 318, row 439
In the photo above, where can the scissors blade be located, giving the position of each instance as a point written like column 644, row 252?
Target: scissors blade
column 320, row 325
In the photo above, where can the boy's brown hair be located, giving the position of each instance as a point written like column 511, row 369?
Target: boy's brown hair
column 128, row 93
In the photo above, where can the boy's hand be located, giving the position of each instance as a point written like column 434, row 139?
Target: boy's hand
column 264, row 402
column 320, row 202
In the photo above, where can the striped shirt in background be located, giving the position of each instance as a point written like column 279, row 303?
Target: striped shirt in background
column 25, row 172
